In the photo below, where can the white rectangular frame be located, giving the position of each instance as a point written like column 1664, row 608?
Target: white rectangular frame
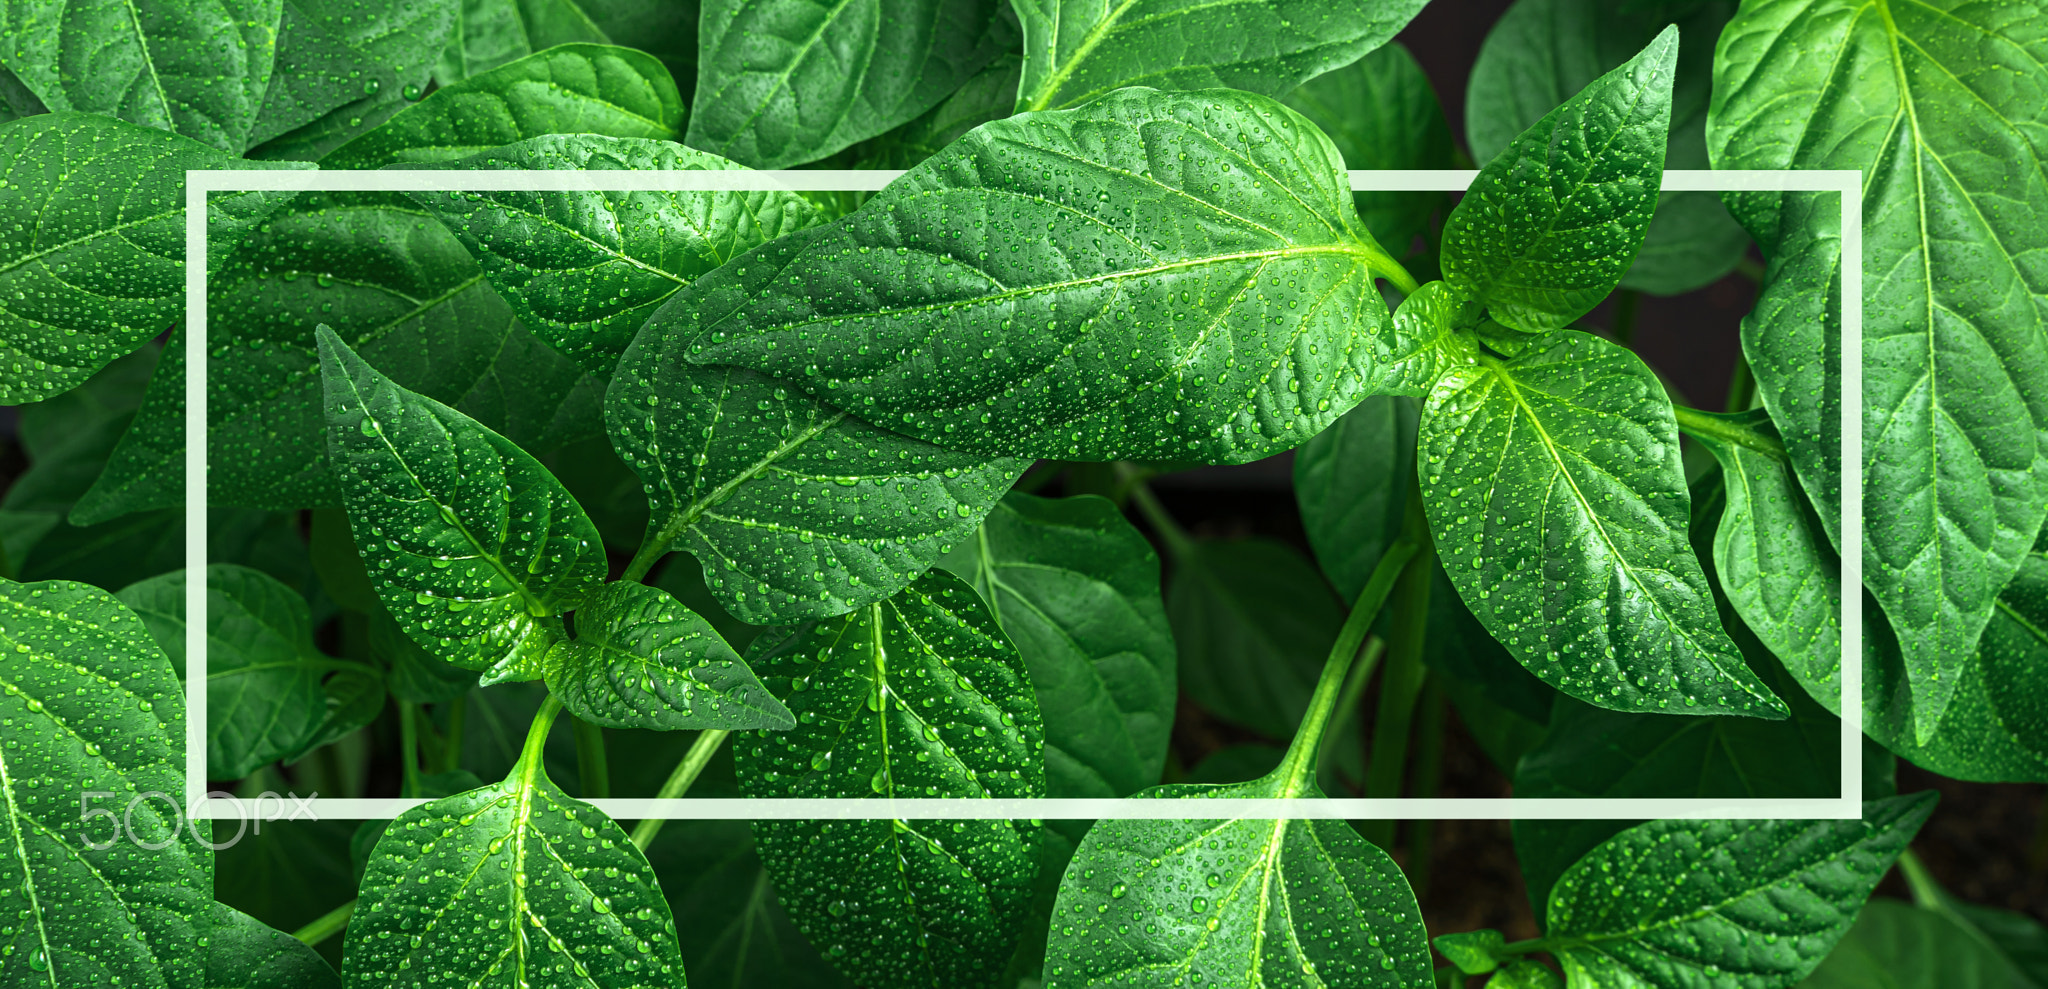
column 1848, row 183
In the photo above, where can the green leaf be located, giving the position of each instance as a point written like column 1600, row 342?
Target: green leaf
column 782, row 83
column 590, row 89
column 1076, row 587
column 1558, row 504
column 735, row 932
column 1078, row 50
column 990, row 95
column 1381, row 112
column 796, row 509
column 1526, row 975
column 1898, row 946
column 516, row 883
column 1542, row 51
column 68, row 436
column 469, row 538
column 245, row 953
column 16, row 101
column 684, row 578
column 1749, row 904
column 1474, row 953
column 1927, row 101
column 1152, row 276
column 1477, row 666
column 919, row 695
column 415, row 674
column 95, row 723
column 642, row 660
column 1775, row 563
column 2017, row 941
column 402, row 291
column 348, row 69
column 96, row 267
column 585, row 269
column 1552, row 223
column 490, row 33
column 271, row 695
column 198, row 69
column 1351, row 483
column 1278, row 904
column 1254, row 622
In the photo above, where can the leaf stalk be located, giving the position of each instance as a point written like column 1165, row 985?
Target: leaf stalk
column 678, row 782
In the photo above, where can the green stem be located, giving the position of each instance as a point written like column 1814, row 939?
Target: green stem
column 1750, row 268
column 1302, row 751
column 409, row 747
column 326, row 926
column 1626, row 302
column 530, row 754
column 591, row 765
column 1348, row 701
column 1178, row 542
column 1429, row 771
column 651, row 550
column 458, row 716
column 1741, row 384
column 678, row 782
column 1926, row 892
column 1715, row 426
column 1401, row 680
column 1393, row 271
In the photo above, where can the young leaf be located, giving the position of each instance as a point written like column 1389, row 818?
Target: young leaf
column 1077, row 50
column 919, row 695
column 197, row 69
column 1155, row 275
column 585, row 269
column 245, row 953
column 1927, row 102
column 1552, row 223
column 1474, row 952
column 1750, row 904
column 94, row 267
column 1775, row 563
column 402, row 291
column 1900, row 946
column 1381, row 112
column 1280, row 904
column 1076, row 587
column 796, row 509
column 584, row 89
column 346, row 68
column 1540, row 52
column 492, row 32
column 271, row 695
column 1559, row 507
column 1351, row 483
column 469, row 538
column 642, row 660
column 1526, row 975
column 516, row 883
column 780, row 83
column 95, row 730
column 990, row 95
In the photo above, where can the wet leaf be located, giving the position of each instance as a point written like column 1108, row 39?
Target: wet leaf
column 919, row 695
column 1351, row 483
column 735, row 932
column 990, row 95
column 641, row 659
column 345, row 67
column 1381, row 112
column 492, row 32
column 245, row 953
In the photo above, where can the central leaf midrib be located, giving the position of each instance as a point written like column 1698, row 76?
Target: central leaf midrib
column 28, row 876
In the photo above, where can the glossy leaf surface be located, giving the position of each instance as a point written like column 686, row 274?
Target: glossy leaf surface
column 919, row 695
column 1552, row 223
column 492, row 32
column 1381, row 112
column 344, row 68
column 584, row 269
column 735, row 932
column 93, row 707
column 1674, row 903
column 573, row 89
column 245, row 953
column 1540, row 52
column 1152, row 276
column 93, row 265
column 1351, row 482
column 796, row 509
column 780, row 83
column 641, row 659
column 990, row 95
column 1937, row 105
column 1077, row 50
column 481, row 541
column 271, row 694
column 1558, row 504
column 516, row 883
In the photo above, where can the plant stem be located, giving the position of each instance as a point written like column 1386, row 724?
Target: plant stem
column 1715, row 426
column 409, row 747
column 530, row 753
column 1750, row 268
column 1178, row 542
column 1301, row 753
column 678, row 782
column 1400, row 686
column 1348, row 700
column 1626, row 302
column 451, row 753
column 1926, row 892
column 651, row 550
column 326, row 926
column 591, row 765
column 1429, row 766
column 1741, row 384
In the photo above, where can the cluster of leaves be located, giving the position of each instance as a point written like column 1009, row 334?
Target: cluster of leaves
column 1125, row 234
